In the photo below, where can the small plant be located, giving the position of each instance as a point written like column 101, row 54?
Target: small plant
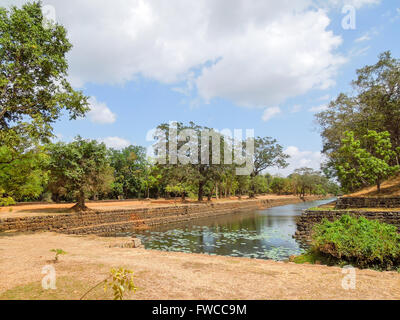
column 360, row 242
column 57, row 252
column 119, row 280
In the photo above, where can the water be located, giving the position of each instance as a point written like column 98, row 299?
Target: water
column 262, row 234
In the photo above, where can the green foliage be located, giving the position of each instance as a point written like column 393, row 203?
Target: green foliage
column 57, row 252
column 22, row 173
column 82, row 166
column 374, row 107
column 360, row 242
column 33, row 75
column 5, row 201
column 131, row 175
column 120, row 281
column 365, row 161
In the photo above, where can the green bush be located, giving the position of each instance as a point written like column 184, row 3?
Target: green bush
column 5, row 202
column 360, row 242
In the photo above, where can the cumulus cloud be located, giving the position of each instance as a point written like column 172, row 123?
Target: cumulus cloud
column 320, row 108
column 355, row 3
column 299, row 159
column 269, row 113
column 100, row 113
column 115, row 142
column 256, row 53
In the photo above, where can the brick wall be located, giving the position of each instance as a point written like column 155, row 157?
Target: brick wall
column 309, row 218
column 105, row 222
column 362, row 202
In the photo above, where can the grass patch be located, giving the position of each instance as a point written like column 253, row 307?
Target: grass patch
column 357, row 241
column 68, row 288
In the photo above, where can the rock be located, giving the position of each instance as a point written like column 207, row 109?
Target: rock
column 137, row 243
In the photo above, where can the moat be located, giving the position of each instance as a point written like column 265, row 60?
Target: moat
column 261, row 234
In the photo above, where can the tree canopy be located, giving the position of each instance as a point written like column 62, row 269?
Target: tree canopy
column 33, row 75
column 81, row 167
column 374, row 106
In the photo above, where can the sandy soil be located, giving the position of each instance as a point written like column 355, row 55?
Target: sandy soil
column 161, row 275
column 62, row 208
column 389, row 188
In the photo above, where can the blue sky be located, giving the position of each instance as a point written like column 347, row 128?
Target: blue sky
column 239, row 64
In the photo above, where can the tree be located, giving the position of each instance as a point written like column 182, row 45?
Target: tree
column 33, row 76
column 375, row 106
column 267, row 153
column 130, row 166
column 198, row 174
column 22, row 175
column 83, row 166
column 278, row 185
column 366, row 161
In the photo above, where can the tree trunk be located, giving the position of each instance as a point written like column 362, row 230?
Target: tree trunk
column 200, row 191
column 378, row 186
column 80, row 206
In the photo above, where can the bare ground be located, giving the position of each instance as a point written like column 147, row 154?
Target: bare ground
column 40, row 209
column 162, row 275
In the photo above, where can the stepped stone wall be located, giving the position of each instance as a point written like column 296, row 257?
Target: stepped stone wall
column 309, row 218
column 363, row 202
column 108, row 222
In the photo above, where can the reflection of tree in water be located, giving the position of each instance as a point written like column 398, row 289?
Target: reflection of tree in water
column 259, row 234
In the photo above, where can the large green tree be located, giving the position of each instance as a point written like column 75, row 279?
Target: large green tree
column 366, row 161
column 33, row 75
column 267, row 153
column 374, row 105
column 83, row 167
column 130, row 171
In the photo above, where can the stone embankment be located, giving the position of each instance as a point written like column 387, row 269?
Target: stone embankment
column 357, row 207
column 114, row 221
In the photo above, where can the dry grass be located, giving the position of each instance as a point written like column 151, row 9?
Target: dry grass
column 389, row 188
column 42, row 209
column 162, row 275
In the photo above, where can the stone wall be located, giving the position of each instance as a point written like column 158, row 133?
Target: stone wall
column 309, row 218
column 363, row 202
column 106, row 222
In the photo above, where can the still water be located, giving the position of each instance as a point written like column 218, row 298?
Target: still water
column 262, row 234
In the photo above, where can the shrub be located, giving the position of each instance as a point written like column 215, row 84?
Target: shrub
column 360, row 242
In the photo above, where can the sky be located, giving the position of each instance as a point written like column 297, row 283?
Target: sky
column 228, row 64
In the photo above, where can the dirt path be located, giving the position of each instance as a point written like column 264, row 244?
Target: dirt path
column 40, row 209
column 161, row 275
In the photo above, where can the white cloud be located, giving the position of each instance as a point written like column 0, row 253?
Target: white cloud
column 320, row 108
column 296, row 108
column 299, row 159
column 324, row 98
column 252, row 52
column 355, row 3
column 269, row 113
column 100, row 113
column 364, row 37
column 115, row 142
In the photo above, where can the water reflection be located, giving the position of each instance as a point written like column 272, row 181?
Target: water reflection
column 264, row 234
